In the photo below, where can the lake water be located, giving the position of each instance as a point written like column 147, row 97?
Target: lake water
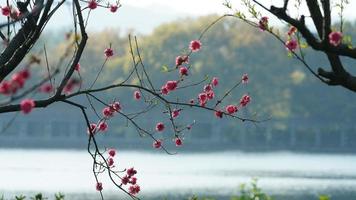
column 161, row 175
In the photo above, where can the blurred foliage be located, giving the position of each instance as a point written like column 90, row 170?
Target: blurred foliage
column 39, row 196
column 279, row 86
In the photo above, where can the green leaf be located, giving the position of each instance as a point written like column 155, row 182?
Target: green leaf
column 165, row 68
column 21, row 197
column 324, row 197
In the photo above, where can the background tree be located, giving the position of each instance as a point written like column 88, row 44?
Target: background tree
column 326, row 35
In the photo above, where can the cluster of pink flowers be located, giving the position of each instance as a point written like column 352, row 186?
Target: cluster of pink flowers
column 169, row 87
column 208, row 93
column 107, row 112
column 10, row 11
column 110, row 110
column 291, row 43
column 93, row 4
column 231, row 109
column 335, row 38
column 182, row 60
column 17, row 81
column 130, row 179
column 110, row 159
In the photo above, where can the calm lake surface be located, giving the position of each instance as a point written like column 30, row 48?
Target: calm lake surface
column 160, row 175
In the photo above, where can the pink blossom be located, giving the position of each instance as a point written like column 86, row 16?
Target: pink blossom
column 335, row 38
column 99, row 186
column 108, row 52
column 134, row 189
column 137, row 95
column 157, row 144
column 292, row 30
column 175, row 113
column 92, row 4
column 263, row 23
column 164, row 90
column 131, row 172
column 46, row 88
column 112, row 152
column 215, row 81
column 113, row 8
column 202, row 98
column 110, row 162
column 210, row 95
column 5, row 87
column 183, row 71
column 231, row 109
column 125, row 180
column 18, row 80
column 133, row 180
column 107, row 112
column 77, row 67
column 25, row 74
column 195, row 45
column 178, row 141
column 219, row 113
column 70, row 85
column 159, row 126
column 244, row 78
column 116, row 106
column 27, row 105
column 91, row 129
column 103, row 126
column 171, row 85
column 291, row 45
column 245, row 100
column 207, row 88
column 181, row 59
column 6, row 10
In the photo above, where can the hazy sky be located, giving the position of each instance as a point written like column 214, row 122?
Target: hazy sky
column 144, row 15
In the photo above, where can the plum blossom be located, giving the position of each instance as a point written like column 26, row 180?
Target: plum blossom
column 183, row 71
column 157, row 144
column 215, row 81
column 195, row 45
column 263, row 23
column 159, row 126
column 335, row 38
column 99, row 186
column 27, row 105
column 92, row 4
column 291, row 45
column 112, row 152
column 231, row 109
